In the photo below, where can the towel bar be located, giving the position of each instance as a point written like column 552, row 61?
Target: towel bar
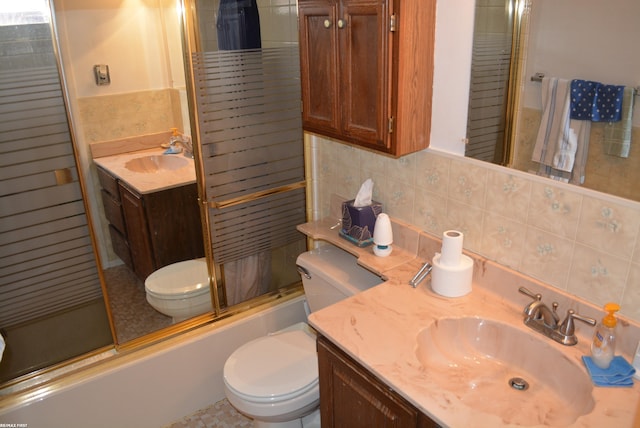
column 537, row 77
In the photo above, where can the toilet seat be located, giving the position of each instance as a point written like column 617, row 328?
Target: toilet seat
column 273, row 368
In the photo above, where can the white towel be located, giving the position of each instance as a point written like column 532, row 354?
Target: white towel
column 554, row 134
column 582, row 129
column 562, row 143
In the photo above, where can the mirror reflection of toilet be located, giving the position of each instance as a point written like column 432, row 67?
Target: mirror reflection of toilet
column 274, row 379
column 180, row 290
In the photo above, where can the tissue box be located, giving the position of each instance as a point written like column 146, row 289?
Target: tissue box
column 358, row 222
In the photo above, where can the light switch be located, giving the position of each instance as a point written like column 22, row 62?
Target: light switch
column 101, row 72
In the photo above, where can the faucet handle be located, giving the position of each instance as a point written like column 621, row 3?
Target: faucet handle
column 567, row 328
column 525, row 291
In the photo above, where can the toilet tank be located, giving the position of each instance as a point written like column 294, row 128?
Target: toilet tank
column 330, row 274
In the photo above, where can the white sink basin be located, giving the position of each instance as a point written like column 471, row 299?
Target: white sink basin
column 496, row 368
column 156, row 163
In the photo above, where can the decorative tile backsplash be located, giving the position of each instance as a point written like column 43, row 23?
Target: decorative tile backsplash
column 111, row 117
column 574, row 239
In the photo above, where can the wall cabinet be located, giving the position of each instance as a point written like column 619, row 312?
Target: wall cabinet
column 367, row 71
column 152, row 230
column 351, row 396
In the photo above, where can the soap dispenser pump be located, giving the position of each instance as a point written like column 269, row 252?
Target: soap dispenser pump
column 604, row 338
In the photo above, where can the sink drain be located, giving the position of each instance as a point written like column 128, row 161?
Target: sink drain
column 518, row 383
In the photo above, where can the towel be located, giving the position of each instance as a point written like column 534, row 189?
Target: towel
column 555, row 119
column 619, row 374
column 607, row 106
column 617, row 135
column 562, row 143
column 583, row 97
column 596, row 101
column 582, row 128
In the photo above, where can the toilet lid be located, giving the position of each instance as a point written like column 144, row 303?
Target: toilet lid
column 273, row 367
column 176, row 280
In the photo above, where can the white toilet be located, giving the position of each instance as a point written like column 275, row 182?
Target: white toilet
column 180, row 290
column 274, row 379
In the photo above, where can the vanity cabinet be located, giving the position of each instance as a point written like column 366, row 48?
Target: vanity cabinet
column 350, row 396
column 152, row 230
column 367, row 71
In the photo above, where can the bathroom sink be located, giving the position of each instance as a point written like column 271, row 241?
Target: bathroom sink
column 496, row 368
column 156, row 163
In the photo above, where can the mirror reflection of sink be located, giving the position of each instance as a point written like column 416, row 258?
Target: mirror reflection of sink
column 156, row 163
column 495, row 368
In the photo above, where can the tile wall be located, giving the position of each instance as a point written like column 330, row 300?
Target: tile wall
column 580, row 241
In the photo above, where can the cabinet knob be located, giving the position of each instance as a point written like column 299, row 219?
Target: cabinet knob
column 327, row 23
column 341, row 23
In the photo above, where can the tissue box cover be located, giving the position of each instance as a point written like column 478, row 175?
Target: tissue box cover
column 358, row 222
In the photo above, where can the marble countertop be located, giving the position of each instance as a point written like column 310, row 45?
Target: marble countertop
column 379, row 329
column 148, row 182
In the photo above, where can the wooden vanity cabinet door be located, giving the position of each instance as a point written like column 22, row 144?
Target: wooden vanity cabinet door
column 363, row 72
column 173, row 221
column 351, row 397
column 137, row 233
column 319, row 65
column 367, row 79
column 343, row 69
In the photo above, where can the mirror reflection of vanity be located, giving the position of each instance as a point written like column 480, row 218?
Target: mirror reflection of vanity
column 574, row 39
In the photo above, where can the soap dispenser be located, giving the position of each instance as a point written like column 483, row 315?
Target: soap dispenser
column 604, row 339
column 175, row 136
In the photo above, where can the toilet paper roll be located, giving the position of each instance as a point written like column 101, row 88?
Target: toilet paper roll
column 451, row 252
column 451, row 281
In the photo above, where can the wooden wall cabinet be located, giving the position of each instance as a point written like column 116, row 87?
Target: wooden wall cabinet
column 367, row 71
column 351, row 396
column 152, row 230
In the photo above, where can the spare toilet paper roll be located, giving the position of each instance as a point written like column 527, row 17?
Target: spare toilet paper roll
column 451, row 252
column 451, row 281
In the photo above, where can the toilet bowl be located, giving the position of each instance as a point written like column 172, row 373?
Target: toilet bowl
column 274, row 379
column 180, row 290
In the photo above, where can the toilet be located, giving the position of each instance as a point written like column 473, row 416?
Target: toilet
column 180, row 290
column 274, row 379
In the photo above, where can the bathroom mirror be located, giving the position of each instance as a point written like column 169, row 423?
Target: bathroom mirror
column 144, row 97
column 568, row 40
column 147, row 95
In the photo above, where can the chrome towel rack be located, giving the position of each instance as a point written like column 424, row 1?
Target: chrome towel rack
column 537, row 77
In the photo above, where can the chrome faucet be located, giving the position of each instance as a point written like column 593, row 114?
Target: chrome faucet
column 539, row 317
column 540, row 312
column 188, row 146
column 421, row 275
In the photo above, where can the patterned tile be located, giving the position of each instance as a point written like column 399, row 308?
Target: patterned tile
column 132, row 315
column 220, row 415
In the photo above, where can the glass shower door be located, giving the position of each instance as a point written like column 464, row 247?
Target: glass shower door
column 51, row 302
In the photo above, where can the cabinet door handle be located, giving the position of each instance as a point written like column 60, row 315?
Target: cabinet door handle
column 341, row 23
column 327, row 23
